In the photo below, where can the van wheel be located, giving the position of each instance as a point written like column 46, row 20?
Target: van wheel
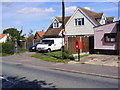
column 48, row 50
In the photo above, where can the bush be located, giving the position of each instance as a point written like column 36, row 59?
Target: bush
column 7, row 48
column 66, row 55
column 71, row 57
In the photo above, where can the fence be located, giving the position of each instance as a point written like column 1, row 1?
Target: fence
column 26, row 44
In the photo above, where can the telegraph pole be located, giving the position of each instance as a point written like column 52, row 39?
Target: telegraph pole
column 118, row 39
column 63, row 26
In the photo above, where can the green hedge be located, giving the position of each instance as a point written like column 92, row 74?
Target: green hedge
column 7, row 48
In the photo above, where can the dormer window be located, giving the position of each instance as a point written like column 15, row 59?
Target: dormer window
column 102, row 22
column 55, row 24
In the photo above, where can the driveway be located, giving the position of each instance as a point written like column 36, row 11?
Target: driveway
column 106, row 60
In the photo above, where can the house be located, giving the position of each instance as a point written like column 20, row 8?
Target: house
column 39, row 35
column 3, row 38
column 105, row 38
column 54, row 30
column 79, row 26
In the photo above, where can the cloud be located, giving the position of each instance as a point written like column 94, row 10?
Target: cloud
column 89, row 8
column 36, row 10
column 70, row 10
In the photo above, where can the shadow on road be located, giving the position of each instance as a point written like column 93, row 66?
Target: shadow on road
column 11, row 83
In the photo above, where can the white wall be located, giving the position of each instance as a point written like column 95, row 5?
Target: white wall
column 85, row 29
column 99, row 42
column 3, row 40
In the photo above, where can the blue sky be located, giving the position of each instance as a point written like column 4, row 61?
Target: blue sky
column 39, row 15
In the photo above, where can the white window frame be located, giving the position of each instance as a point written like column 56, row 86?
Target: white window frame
column 79, row 19
column 56, row 24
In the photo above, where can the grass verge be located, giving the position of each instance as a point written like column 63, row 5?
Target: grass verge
column 76, row 57
column 4, row 54
column 21, row 50
column 51, row 57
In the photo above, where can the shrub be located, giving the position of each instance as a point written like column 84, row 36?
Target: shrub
column 8, row 48
column 71, row 57
column 66, row 55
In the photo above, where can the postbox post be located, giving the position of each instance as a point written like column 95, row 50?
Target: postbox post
column 78, row 46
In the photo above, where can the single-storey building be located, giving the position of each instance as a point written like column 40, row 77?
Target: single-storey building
column 106, row 38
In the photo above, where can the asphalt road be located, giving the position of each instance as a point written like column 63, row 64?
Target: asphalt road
column 24, row 76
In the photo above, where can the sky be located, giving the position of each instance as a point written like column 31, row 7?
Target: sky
column 39, row 15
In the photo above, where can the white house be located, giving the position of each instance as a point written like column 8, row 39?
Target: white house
column 79, row 26
column 3, row 38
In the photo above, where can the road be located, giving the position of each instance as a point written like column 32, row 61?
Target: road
column 39, row 77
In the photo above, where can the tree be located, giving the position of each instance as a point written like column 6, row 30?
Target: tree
column 14, row 34
column 30, row 35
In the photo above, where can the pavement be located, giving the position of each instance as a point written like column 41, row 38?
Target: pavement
column 88, row 69
column 99, row 59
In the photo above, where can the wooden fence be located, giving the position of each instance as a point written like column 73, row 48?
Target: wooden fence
column 87, row 44
column 26, row 44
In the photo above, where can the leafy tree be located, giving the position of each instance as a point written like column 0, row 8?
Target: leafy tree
column 14, row 33
column 30, row 35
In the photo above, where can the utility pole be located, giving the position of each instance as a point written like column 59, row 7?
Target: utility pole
column 118, row 32
column 118, row 39
column 63, row 26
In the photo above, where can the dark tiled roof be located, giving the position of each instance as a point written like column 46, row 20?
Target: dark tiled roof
column 109, row 19
column 92, row 15
column 55, row 31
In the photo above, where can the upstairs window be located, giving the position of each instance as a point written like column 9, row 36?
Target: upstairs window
column 55, row 24
column 110, row 38
column 79, row 21
column 102, row 22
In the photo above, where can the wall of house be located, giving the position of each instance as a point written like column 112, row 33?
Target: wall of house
column 99, row 41
column 71, row 29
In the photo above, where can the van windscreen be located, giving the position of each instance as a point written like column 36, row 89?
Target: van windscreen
column 47, row 42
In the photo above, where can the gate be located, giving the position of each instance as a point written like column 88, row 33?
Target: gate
column 72, row 45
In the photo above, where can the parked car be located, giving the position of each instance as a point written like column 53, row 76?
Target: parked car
column 33, row 48
column 50, row 44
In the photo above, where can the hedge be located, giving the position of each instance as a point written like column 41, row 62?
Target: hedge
column 7, row 48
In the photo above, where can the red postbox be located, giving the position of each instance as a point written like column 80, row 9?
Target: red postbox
column 78, row 44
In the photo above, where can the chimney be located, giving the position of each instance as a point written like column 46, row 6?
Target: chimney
column 42, row 30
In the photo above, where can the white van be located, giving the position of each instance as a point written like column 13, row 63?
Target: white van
column 50, row 44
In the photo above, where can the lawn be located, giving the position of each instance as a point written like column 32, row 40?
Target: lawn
column 21, row 50
column 51, row 57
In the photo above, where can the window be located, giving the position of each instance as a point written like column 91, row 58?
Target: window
column 47, row 42
column 55, row 24
column 110, row 37
column 102, row 22
column 79, row 21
